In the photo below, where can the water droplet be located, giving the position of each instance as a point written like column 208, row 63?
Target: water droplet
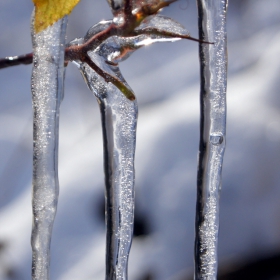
column 216, row 138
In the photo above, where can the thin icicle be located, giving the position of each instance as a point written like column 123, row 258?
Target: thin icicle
column 47, row 92
column 213, row 65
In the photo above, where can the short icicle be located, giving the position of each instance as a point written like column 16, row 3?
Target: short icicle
column 213, row 69
column 47, row 92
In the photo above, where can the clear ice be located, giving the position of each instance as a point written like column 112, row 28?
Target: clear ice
column 213, row 65
column 47, row 92
column 119, row 120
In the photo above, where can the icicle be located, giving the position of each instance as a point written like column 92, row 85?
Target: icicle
column 47, row 92
column 119, row 118
column 213, row 63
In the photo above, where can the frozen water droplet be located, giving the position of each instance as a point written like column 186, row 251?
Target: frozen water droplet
column 216, row 138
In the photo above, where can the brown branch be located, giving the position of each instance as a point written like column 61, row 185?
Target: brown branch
column 128, row 6
column 16, row 60
column 77, row 52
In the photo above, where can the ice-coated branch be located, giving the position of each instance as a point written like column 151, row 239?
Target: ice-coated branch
column 16, row 60
column 119, row 119
column 213, row 71
column 131, row 18
column 47, row 92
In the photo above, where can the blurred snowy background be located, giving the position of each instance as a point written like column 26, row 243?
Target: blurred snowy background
column 165, row 78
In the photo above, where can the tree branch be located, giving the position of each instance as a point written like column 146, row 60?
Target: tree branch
column 16, row 60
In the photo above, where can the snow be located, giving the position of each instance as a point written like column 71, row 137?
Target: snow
column 166, row 152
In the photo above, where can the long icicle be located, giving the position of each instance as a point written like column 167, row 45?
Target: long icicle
column 119, row 118
column 213, row 70
column 47, row 92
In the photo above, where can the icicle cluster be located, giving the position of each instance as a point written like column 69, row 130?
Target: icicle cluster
column 118, row 109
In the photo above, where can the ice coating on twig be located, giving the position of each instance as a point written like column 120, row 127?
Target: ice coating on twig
column 47, row 92
column 119, row 118
column 155, row 22
column 115, row 5
column 213, row 69
column 119, row 47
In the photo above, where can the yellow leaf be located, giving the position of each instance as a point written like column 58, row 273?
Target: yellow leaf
column 47, row 12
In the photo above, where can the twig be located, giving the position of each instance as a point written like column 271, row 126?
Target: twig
column 132, row 19
column 16, row 60
column 108, row 78
column 156, row 31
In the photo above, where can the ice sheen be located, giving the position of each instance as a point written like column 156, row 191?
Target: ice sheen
column 47, row 92
column 213, row 64
column 119, row 120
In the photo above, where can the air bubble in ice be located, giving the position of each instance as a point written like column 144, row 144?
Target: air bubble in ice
column 216, row 138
